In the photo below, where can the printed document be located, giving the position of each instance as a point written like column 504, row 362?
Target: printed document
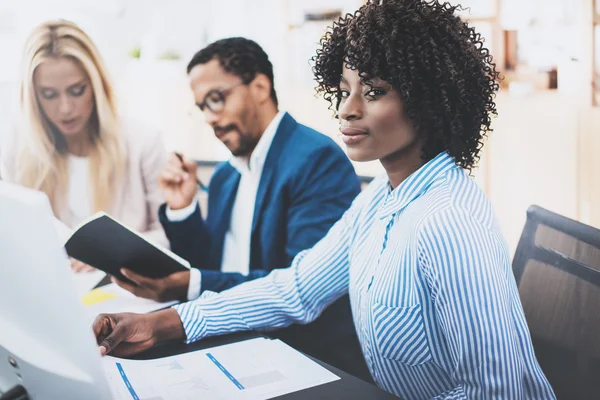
column 252, row 369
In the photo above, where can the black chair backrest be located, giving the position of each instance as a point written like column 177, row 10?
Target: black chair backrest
column 557, row 268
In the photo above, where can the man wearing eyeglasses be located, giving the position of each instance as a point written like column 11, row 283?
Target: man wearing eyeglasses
column 279, row 194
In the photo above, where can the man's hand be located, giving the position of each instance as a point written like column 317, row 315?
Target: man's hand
column 178, row 182
column 172, row 287
column 125, row 334
column 78, row 266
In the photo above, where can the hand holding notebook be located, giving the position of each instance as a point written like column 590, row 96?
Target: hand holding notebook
column 107, row 245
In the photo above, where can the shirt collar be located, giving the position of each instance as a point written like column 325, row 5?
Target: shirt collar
column 417, row 184
column 259, row 154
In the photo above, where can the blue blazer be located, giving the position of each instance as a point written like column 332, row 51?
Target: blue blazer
column 306, row 185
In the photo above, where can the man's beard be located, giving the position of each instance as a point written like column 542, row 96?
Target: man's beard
column 246, row 145
column 246, row 141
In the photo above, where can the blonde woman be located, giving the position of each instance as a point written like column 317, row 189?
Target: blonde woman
column 70, row 142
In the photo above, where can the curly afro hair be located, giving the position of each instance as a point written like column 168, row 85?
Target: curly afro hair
column 437, row 63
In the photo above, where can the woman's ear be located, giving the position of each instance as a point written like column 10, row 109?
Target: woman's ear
column 261, row 88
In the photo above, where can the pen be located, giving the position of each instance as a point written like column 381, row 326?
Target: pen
column 180, row 157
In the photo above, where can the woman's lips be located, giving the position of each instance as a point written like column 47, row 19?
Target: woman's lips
column 353, row 135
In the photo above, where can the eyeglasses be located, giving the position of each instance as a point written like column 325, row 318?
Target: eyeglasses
column 215, row 99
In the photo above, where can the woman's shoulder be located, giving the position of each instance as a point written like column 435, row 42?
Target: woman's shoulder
column 138, row 131
column 144, row 144
column 140, row 137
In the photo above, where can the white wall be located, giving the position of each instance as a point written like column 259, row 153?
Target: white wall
column 531, row 158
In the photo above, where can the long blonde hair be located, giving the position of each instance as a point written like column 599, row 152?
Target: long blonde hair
column 42, row 158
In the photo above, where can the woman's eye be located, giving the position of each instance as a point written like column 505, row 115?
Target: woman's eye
column 375, row 93
column 344, row 94
column 77, row 91
column 48, row 94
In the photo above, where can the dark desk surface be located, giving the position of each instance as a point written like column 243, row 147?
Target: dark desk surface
column 347, row 387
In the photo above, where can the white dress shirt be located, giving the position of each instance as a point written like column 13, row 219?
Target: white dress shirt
column 236, row 247
column 79, row 194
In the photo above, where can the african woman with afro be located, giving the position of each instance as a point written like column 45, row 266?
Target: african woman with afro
column 420, row 252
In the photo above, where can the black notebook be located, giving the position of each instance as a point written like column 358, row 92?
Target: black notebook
column 107, row 245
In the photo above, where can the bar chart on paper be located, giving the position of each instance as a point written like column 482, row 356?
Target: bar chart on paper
column 253, row 369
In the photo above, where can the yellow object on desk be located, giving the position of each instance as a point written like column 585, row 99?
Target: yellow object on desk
column 97, row 296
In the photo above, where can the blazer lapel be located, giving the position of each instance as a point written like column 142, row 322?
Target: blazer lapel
column 286, row 127
column 221, row 213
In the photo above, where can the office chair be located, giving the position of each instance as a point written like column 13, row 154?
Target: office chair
column 557, row 269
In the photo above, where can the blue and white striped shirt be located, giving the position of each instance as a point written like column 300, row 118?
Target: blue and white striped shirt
column 433, row 297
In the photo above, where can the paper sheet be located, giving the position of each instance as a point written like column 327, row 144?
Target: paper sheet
column 86, row 281
column 113, row 299
column 253, row 369
column 63, row 231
